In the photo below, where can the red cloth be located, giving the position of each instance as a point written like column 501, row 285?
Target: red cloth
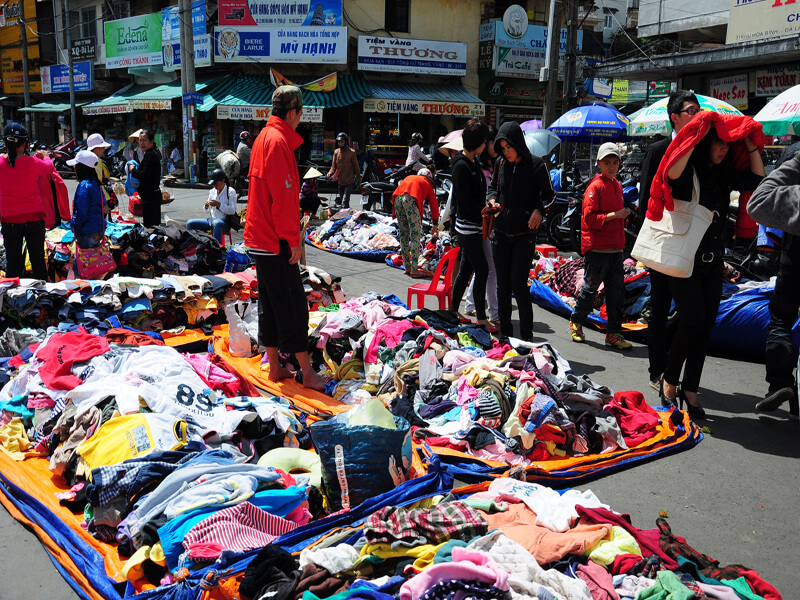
column 273, row 211
column 22, row 198
column 730, row 128
column 623, row 563
column 761, row 587
column 49, row 185
column 637, row 420
column 120, row 335
column 419, row 188
column 646, row 538
column 602, row 196
column 245, row 387
column 62, row 351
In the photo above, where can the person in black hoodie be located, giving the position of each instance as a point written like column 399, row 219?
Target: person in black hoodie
column 469, row 199
column 149, row 175
column 521, row 187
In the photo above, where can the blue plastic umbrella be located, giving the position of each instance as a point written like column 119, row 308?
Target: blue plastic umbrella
column 592, row 123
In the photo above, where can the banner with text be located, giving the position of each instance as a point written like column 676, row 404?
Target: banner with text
column 399, row 55
column 323, row 45
column 749, row 21
column 535, row 37
column 55, row 78
column 281, row 13
column 417, row 107
column 133, row 42
column 171, row 23
column 11, row 50
column 731, row 89
column 771, row 82
column 202, row 53
column 311, row 114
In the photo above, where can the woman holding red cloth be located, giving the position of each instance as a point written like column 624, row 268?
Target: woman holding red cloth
column 724, row 152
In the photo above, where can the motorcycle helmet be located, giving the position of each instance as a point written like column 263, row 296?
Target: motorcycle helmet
column 15, row 133
column 425, row 173
column 416, row 137
column 245, row 135
column 342, row 136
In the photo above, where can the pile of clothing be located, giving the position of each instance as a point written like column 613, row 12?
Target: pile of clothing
column 432, row 249
column 356, row 232
column 165, row 249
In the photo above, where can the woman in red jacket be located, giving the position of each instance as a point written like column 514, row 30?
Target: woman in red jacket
column 21, row 210
column 407, row 201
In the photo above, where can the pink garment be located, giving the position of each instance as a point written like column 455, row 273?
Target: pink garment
column 498, row 351
column 467, row 565
column 40, row 401
column 637, row 420
column 332, row 330
column 214, row 376
column 598, row 580
column 455, row 360
column 466, row 393
column 389, row 331
column 241, row 527
column 498, row 453
column 205, row 550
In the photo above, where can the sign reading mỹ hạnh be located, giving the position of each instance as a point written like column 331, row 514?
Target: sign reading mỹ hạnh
column 425, row 107
column 751, row 20
column 236, row 112
column 133, row 42
column 322, row 45
column 771, row 82
column 400, row 55
column 731, row 89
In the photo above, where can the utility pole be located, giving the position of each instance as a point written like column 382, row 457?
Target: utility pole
column 569, row 94
column 553, row 42
column 73, row 113
column 25, row 77
column 187, row 84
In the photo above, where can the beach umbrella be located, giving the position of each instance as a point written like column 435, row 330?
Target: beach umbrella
column 781, row 115
column 531, row 125
column 653, row 119
column 541, row 141
column 590, row 123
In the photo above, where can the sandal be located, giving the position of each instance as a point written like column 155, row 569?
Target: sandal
column 418, row 275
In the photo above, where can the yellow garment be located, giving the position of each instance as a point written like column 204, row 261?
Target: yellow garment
column 476, row 375
column 424, row 554
column 618, row 541
column 13, row 439
column 132, row 436
column 133, row 570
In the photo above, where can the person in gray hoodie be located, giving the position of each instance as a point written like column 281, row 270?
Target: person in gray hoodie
column 521, row 186
column 776, row 203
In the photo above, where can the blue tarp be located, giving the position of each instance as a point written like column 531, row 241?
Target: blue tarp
column 370, row 255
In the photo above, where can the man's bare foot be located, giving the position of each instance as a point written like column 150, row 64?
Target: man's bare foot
column 279, row 372
column 314, row 381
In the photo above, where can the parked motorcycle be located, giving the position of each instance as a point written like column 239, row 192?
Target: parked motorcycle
column 377, row 196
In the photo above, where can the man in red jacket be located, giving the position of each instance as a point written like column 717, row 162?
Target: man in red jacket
column 602, row 242
column 273, row 234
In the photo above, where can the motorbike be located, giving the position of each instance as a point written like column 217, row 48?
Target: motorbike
column 377, row 196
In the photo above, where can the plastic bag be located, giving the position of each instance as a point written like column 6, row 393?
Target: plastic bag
column 370, row 412
column 242, row 317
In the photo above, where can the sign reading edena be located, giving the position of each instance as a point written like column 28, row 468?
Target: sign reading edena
column 757, row 20
column 411, row 56
column 133, row 42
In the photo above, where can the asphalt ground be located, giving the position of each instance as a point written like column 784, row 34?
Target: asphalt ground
column 733, row 497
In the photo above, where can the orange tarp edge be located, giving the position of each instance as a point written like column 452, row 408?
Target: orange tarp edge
column 34, row 476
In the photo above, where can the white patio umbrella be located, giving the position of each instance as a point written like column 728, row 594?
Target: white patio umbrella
column 781, row 115
column 653, row 119
column 541, row 141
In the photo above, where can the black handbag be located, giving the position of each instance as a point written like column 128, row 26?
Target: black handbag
column 234, row 221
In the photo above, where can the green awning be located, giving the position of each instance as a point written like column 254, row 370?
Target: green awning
column 253, row 90
column 144, row 97
column 423, row 92
column 56, row 107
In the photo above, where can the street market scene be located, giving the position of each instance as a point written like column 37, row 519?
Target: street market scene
column 363, row 299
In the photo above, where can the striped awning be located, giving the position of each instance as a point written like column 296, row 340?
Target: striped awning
column 254, row 90
column 144, row 97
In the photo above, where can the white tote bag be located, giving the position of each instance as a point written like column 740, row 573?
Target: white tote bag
column 669, row 245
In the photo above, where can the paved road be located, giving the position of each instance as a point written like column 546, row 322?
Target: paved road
column 734, row 496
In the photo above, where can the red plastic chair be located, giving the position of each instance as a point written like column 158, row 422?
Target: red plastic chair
column 229, row 235
column 443, row 290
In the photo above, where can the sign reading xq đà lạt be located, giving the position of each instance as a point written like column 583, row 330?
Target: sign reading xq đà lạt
column 133, row 42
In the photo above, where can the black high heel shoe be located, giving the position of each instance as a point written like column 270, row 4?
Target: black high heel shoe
column 667, row 402
column 695, row 412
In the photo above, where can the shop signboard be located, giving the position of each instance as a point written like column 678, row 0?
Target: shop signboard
column 599, row 86
column 619, row 91
column 112, row 109
column 512, row 92
column 401, row 55
column 731, row 89
column 424, row 107
column 751, row 20
column 55, row 78
column 202, row 53
column 516, row 62
column 144, row 104
column 84, row 48
column 133, row 42
column 280, row 13
column 11, row 51
column 171, row 23
column 236, row 112
column 771, row 82
column 321, row 45
column 534, row 38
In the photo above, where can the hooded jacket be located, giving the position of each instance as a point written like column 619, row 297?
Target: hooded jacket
column 521, row 187
column 730, row 128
